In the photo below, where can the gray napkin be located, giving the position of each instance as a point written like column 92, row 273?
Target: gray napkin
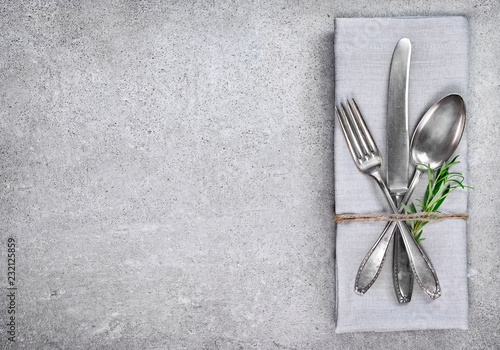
column 439, row 66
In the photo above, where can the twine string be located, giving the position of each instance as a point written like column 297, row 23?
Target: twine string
column 426, row 216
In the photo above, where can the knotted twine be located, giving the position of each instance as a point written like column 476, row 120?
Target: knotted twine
column 426, row 216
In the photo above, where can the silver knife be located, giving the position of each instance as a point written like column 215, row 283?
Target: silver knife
column 398, row 158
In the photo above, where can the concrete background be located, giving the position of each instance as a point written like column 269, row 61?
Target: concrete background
column 166, row 170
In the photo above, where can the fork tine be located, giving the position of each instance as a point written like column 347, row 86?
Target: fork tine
column 360, row 132
column 353, row 133
column 352, row 143
column 364, row 129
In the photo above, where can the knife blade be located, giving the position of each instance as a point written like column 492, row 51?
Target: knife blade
column 397, row 119
column 398, row 156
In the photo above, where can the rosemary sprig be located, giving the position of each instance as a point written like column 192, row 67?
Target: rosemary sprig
column 441, row 183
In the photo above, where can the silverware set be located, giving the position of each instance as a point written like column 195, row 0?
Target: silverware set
column 434, row 141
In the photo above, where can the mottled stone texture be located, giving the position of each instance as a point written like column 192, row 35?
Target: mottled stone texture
column 166, row 171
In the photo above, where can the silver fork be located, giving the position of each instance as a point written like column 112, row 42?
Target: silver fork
column 368, row 160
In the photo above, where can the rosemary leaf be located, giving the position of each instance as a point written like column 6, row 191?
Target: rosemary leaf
column 440, row 184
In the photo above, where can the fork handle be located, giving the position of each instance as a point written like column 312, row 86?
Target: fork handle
column 422, row 267
column 372, row 265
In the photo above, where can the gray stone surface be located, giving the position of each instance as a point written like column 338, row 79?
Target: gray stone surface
column 166, row 170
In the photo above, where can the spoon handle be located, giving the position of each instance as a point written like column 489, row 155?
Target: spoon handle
column 411, row 188
column 420, row 263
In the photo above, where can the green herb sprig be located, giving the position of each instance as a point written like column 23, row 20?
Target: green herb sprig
column 441, row 183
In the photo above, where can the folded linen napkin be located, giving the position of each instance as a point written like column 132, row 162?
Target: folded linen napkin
column 439, row 66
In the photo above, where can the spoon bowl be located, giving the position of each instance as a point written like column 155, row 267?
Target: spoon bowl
column 439, row 132
column 436, row 137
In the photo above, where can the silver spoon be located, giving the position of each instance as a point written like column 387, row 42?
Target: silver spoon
column 434, row 141
column 436, row 137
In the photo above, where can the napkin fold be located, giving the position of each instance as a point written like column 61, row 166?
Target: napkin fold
column 439, row 66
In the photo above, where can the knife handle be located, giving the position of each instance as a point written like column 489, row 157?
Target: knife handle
column 402, row 274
